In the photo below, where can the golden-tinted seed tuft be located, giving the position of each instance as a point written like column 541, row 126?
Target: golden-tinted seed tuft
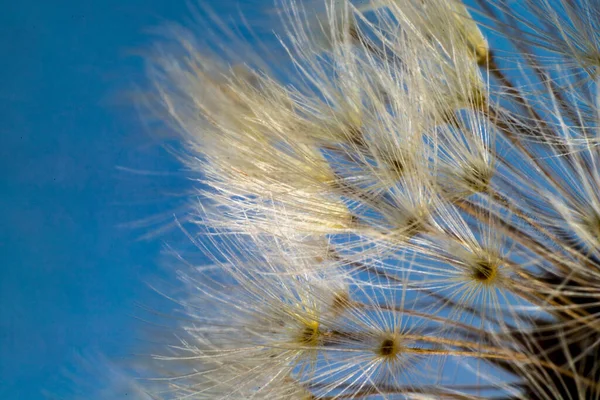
column 341, row 302
column 477, row 179
column 412, row 226
column 592, row 224
column 310, row 334
column 388, row 347
column 397, row 166
column 484, row 271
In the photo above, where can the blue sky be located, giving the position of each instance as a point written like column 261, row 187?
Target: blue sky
column 72, row 264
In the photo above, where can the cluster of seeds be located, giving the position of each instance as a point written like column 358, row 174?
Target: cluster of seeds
column 406, row 209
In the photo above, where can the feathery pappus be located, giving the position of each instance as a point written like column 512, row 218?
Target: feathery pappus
column 404, row 203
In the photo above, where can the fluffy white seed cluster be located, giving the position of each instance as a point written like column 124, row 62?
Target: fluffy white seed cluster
column 399, row 212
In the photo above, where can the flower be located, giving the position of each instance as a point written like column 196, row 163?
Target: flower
column 396, row 216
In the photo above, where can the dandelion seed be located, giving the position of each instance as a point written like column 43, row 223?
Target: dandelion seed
column 401, row 215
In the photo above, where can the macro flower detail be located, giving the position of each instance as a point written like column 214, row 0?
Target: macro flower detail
column 405, row 205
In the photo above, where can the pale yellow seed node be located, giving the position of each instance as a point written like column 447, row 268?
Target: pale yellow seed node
column 310, row 335
column 470, row 32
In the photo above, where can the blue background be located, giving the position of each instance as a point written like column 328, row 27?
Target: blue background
column 74, row 258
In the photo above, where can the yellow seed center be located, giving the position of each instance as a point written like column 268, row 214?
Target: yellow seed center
column 310, row 334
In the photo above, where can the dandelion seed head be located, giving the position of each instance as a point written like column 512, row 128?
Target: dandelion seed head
column 403, row 212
